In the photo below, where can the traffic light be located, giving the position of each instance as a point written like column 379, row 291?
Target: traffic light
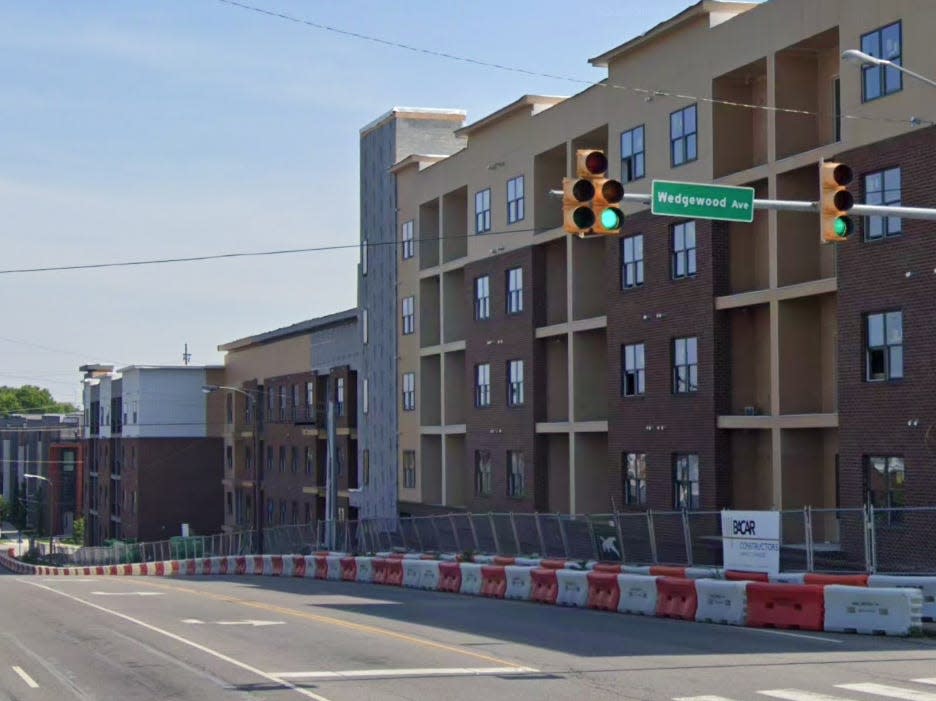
column 834, row 202
column 590, row 201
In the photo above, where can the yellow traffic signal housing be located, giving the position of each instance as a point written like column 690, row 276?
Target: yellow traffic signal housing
column 835, row 201
column 589, row 201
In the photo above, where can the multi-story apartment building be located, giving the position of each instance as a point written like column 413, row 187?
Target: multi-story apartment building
column 386, row 140
column 686, row 363
column 153, row 451
column 283, row 381
column 46, row 445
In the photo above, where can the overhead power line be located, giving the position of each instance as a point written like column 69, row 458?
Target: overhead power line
column 648, row 92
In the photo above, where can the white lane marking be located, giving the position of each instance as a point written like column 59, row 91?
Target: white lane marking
column 248, row 622
column 30, row 682
column 68, row 579
column 931, row 680
column 702, row 698
column 798, row 695
column 416, row 672
column 891, row 692
column 185, row 641
column 127, row 593
column 787, row 634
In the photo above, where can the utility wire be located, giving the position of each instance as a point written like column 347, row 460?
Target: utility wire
column 569, row 79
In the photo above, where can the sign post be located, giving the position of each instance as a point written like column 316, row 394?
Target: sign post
column 751, row 541
column 701, row 201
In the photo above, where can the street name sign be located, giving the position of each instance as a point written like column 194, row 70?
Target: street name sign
column 751, row 541
column 701, row 201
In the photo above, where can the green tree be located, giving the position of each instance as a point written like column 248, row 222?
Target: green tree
column 78, row 528
column 4, row 508
column 31, row 399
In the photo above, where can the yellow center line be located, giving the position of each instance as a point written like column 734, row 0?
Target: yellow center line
column 328, row 620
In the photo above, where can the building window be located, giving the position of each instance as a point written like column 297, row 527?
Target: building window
column 339, row 396
column 515, row 290
column 515, row 383
column 483, row 211
column 229, row 456
column 364, row 326
column 295, row 395
column 409, row 249
column 683, row 136
column 884, row 483
column 364, row 257
column 269, row 461
column 885, row 346
column 515, row 199
column 282, row 512
column 482, row 294
column 632, row 262
column 635, row 479
column 283, row 400
column 882, row 188
column 365, row 463
column 294, row 459
column 686, row 481
column 515, row 473
column 295, row 512
column 409, row 469
column 482, row 473
column 685, row 365
column 365, row 394
column 684, row 250
column 308, row 512
column 632, row 154
column 282, row 458
column 633, row 377
column 309, row 461
column 409, row 315
column 409, row 391
column 271, row 399
column 878, row 81
column 248, row 459
column 310, row 393
column 229, row 408
column 483, row 385
column 271, row 511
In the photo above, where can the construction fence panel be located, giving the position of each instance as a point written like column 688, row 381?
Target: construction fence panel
column 705, row 538
column 840, row 541
column 635, row 538
column 670, row 536
column 904, row 540
column 484, row 531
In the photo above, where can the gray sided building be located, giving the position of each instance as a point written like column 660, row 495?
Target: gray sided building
column 389, row 138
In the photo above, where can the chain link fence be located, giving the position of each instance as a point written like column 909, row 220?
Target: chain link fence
column 821, row 540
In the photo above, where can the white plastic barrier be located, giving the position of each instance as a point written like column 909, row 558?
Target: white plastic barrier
column 702, row 573
column 267, row 566
column 519, row 582
column 573, row 588
column 365, row 569
column 412, row 556
column 231, row 564
column 721, row 601
column 289, row 566
column 927, row 585
column 484, row 559
column 638, row 594
column 787, row 578
column 448, row 557
column 429, row 576
column 384, row 554
column 470, row 578
column 528, row 561
column 635, row 569
column 891, row 611
column 412, row 572
column 334, row 567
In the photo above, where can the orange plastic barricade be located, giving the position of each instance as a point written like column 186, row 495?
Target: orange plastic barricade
column 676, row 598
column 240, row 565
column 397, row 556
column 668, row 571
column 144, row 568
column 380, row 570
column 112, row 570
column 299, row 566
column 223, row 566
column 395, row 572
column 799, row 606
column 277, row 565
column 66, row 571
column 738, row 576
column 87, row 570
column 176, row 566
column 607, row 567
column 427, row 557
column 206, row 565
column 258, row 564
column 501, row 560
column 348, row 569
column 553, row 564
column 851, row 580
column 321, row 567
column 493, row 581
column 190, row 567
column 603, row 591
column 545, row 585
column 449, row 577
column 160, row 569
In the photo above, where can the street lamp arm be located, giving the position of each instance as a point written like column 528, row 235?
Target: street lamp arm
column 863, row 59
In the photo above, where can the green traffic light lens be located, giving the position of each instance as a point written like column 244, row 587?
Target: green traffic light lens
column 843, row 227
column 611, row 218
column 839, row 227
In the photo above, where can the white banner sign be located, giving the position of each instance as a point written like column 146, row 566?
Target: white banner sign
column 751, row 541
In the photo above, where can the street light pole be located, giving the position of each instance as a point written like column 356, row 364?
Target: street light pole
column 863, row 59
column 255, row 415
column 49, row 500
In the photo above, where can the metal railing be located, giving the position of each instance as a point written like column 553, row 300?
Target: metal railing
column 821, row 540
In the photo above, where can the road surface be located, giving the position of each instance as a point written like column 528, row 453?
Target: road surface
column 127, row 638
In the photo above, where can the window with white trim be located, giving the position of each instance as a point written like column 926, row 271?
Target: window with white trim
column 409, row 391
column 515, row 290
column 483, row 211
column 882, row 188
column 409, row 249
column 483, row 385
column 884, row 358
column 515, row 200
column 409, row 315
column 482, row 294
column 515, row 383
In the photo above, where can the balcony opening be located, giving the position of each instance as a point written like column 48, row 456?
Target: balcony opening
column 808, row 341
column 430, row 390
column 740, row 133
column 591, row 375
column 455, row 225
column 750, row 360
column 749, row 249
column 549, row 168
column 429, row 303
column 428, row 234
column 456, row 312
column 801, row 257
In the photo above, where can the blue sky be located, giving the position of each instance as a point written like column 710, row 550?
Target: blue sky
column 169, row 128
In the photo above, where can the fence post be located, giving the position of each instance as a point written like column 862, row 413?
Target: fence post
column 513, row 527
column 419, row 542
column 866, row 527
column 451, row 519
column 539, row 534
column 873, row 522
column 497, row 549
column 687, row 536
column 562, row 536
column 620, row 534
column 436, row 532
column 807, row 524
column 652, row 534
column 591, row 536
column 474, row 533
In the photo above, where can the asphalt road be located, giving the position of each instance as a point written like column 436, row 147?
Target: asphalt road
column 113, row 638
